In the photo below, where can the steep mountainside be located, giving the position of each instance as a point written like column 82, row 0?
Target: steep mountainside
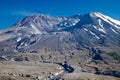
column 67, row 33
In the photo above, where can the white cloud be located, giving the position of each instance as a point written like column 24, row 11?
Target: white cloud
column 23, row 13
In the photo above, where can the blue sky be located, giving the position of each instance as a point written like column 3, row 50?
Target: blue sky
column 12, row 11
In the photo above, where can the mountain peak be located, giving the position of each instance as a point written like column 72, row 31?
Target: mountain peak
column 38, row 16
column 41, row 15
column 95, row 14
column 104, row 18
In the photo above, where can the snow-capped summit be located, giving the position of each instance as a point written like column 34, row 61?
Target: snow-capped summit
column 105, row 18
column 41, row 31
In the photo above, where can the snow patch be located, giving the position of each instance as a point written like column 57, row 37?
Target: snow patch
column 110, row 19
column 85, row 29
column 49, row 23
column 19, row 39
column 92, row 33
column 95, row 27
column 117, row 27
column 107, row 19
column 101, row 29
column 70, row 22
column 75, row 21
column 35, row 29
column 114, row 30
column 99, row 21
column 103, row 35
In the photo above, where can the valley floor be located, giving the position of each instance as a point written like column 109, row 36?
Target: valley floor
column 31, row 70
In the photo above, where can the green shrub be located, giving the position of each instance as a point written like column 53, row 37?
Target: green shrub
column 114, row 55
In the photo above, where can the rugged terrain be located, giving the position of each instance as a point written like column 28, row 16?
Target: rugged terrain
column 81, row 44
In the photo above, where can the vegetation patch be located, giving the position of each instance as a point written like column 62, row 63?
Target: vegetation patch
column 114, row 55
